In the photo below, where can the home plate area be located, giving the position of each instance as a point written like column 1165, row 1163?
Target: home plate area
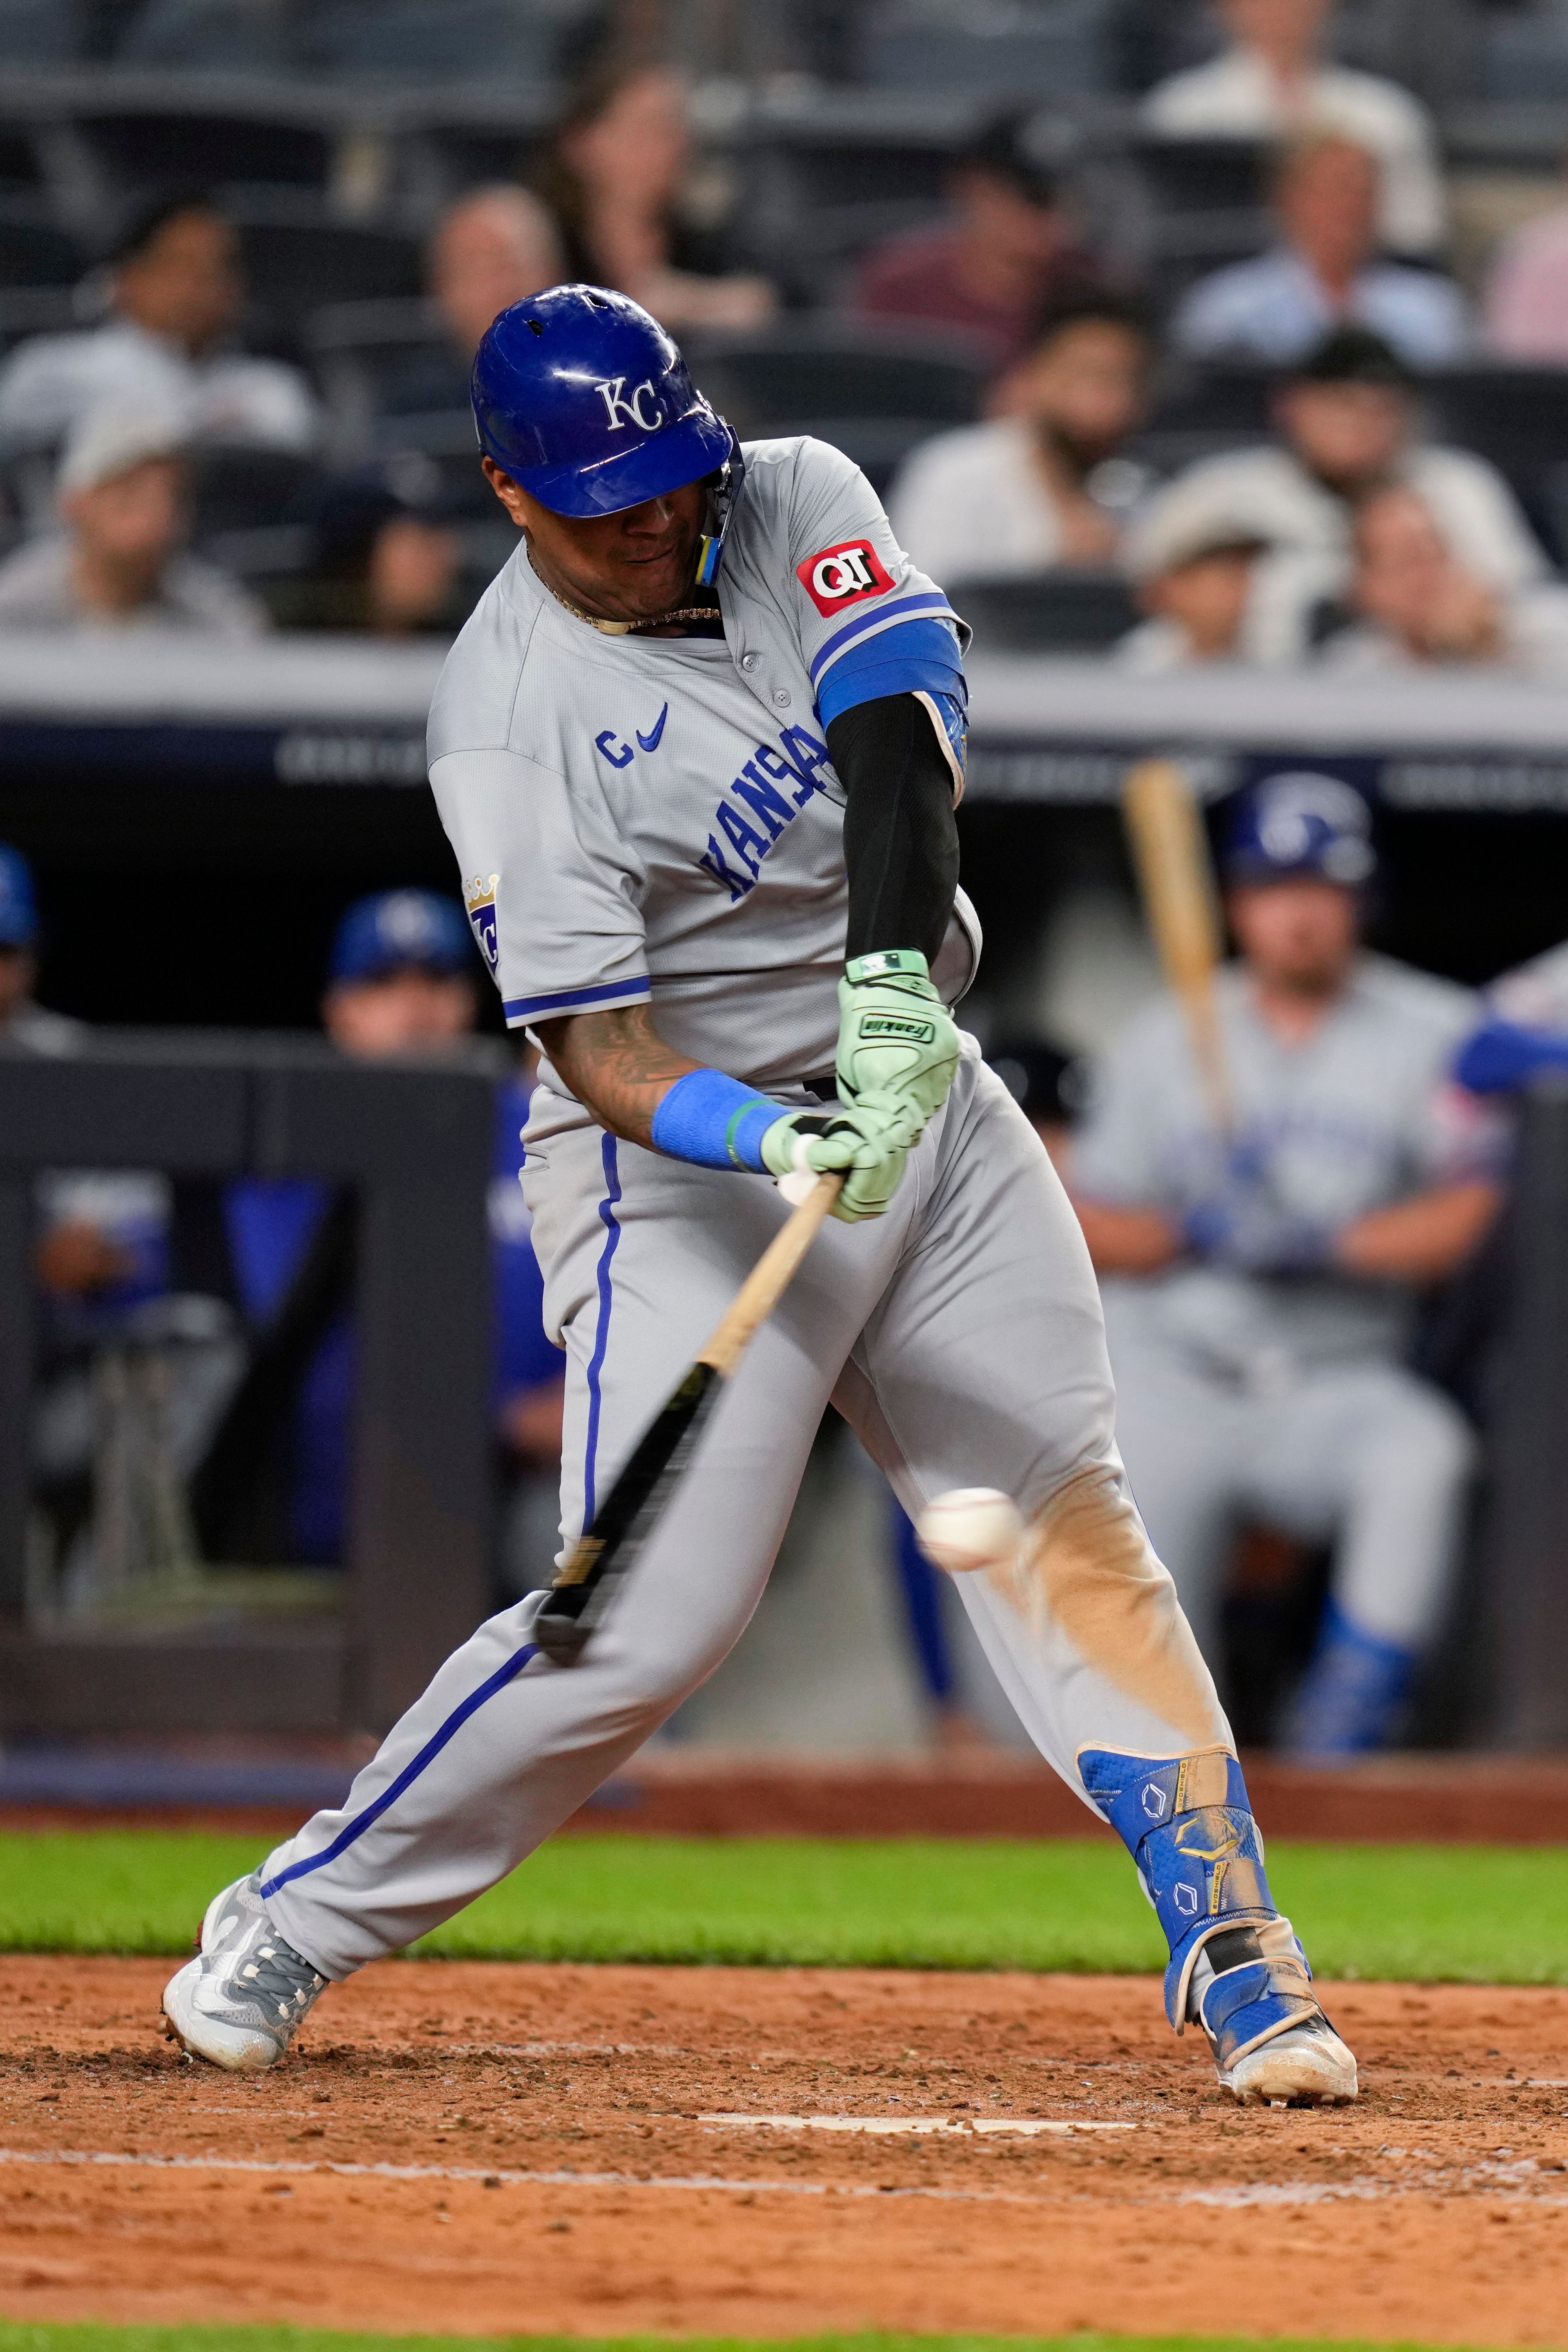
column 496, row 2149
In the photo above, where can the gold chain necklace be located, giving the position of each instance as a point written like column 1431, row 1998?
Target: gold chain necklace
column 626, row 628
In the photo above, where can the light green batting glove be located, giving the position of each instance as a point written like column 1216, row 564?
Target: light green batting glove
column 869, row 1140
column 896, row 1037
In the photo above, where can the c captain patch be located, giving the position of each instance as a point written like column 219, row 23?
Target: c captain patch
column 479, row 898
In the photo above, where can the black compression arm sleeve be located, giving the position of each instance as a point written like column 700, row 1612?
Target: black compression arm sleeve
column 900, row 841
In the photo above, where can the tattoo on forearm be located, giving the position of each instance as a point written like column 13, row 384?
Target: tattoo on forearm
column 618, row 1065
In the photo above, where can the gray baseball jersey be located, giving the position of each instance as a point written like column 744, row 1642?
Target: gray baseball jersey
column 641, row 817
column 1534, row 994
column 1360, row 1116
column 660, row 821
column 1285, row 1401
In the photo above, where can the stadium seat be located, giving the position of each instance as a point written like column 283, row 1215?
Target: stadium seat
column 40, row 33
column 1517, row 417
column 458, row 41
column 1204, row 204
column 245, row 490
column 1202, row 412
column 21, row 169
column 380, row 361
column 872, row 392
column 1080, row 610
column 137, row 153
column 298, row 260
column 825, row 179
column 1524, row 59
column 33, row 253
column 229, row 37
column 1053, row 49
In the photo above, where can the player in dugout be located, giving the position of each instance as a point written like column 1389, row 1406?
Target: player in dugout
column 698, row 750
column 401, row 981
column 1260, row 1287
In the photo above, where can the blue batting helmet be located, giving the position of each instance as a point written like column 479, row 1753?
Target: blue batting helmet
column 584, row 399
column 1300, row 824
column 19, row 908
column 398, row 928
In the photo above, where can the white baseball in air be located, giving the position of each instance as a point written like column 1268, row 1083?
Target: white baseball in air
column 798, row 1188
column 974, row 1526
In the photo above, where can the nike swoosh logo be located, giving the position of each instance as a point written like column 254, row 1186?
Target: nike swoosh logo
column 650, row 743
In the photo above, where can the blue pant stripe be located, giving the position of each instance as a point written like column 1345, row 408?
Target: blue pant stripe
column 409, row 1774
column 601, row 1336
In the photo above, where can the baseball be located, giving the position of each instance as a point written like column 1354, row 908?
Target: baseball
column 974, row 1526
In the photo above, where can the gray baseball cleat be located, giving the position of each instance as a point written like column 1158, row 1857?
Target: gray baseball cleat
column 239, row 2002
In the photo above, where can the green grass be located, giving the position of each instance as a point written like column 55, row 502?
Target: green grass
column 1472, row 1914
column 18, row 2335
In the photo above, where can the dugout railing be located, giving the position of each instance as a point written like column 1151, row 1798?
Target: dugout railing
column 410, row 1147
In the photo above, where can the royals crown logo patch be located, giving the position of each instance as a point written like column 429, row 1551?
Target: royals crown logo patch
column 479, row 898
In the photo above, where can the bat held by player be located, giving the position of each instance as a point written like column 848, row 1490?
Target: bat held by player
column 629, row 1512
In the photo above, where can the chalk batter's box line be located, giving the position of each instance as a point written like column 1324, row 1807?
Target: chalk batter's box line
column 1251, row 2193
column 915, row 2126
column 84, row 2158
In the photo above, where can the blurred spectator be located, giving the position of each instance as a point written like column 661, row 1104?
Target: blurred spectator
column 1348, row 422
column 1273, row 81
column 615, row 174
column 1019, row 494
column 1261, row 1285
column 25, row 1023
column 1524, row 304
column 402, row 981
column 386, row 561
column 1195, row 584
column 493, row 248
column 176, row 292
column 1418, row 606
column 120, row 562
column 1009, row 250
column 1323, row 272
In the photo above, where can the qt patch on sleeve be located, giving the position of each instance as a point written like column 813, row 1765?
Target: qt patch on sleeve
column 845, row 574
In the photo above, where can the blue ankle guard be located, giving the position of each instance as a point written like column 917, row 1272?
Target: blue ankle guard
column 1187, row 1822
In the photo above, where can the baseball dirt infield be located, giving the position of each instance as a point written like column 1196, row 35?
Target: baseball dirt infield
column 495, row 2148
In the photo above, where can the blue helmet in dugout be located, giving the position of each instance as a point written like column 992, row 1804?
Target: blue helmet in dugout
column 581, row 396
column 1300, row 825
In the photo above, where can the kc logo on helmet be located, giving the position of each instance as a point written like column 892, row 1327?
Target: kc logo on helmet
column 837, row 576
column 622, row 411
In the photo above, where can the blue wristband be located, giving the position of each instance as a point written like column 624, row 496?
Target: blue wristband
column 715, row 1121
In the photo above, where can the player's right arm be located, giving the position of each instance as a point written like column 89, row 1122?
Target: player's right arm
column 618, row 1066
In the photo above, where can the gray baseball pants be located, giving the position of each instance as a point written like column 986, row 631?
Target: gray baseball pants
column 960, row 1334
column 1366, row 1454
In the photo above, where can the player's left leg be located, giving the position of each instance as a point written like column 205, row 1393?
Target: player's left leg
column 985, row 1363
column 1383, row 1460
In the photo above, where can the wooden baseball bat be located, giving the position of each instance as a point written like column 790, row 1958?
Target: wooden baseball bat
column 1175, row 876
column 627, row 1517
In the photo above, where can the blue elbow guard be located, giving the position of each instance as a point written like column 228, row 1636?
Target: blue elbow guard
column 714, row 1121
column 1503, row 1055
column 1187, row 1822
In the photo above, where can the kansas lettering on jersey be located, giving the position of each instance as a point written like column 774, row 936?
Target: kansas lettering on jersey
column 770, row 792
column 660, row 818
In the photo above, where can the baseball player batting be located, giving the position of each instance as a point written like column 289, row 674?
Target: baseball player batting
column 698, row 752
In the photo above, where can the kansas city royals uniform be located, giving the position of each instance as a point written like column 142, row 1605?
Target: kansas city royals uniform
column 660, row 819
column 1284, row 1396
